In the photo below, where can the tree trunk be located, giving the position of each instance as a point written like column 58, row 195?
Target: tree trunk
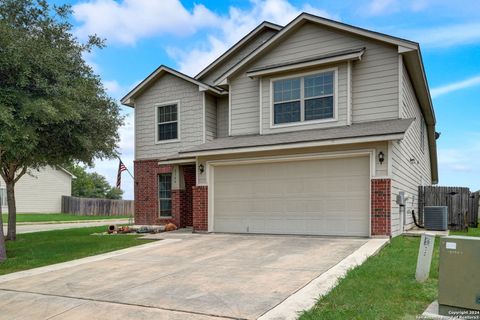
column 3, row 251
column 12, row 211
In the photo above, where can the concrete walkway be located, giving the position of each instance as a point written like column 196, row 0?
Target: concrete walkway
column 59, row 226
column 186, row 276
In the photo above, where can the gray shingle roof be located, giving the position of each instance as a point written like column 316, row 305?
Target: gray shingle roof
column 365, row 129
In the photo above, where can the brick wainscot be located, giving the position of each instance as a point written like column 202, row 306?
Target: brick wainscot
column 381, row 207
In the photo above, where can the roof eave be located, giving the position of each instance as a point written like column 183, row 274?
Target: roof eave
column 296, row 145
column 306, row 17
column 240, row 43
column 128, row 99
column 414, row 65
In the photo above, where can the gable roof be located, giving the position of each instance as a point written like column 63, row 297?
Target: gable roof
column 410, row 51
column 307, row 17
column 128, row 98
column 262, row 26
column 66, row 172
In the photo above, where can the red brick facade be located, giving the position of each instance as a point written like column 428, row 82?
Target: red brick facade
column 190, row 205
column 381, row 207
column 200, row 208
column 146, row 195
column 189, row 176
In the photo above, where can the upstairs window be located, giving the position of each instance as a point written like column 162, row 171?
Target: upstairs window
column 307, row 98
column 167, row 122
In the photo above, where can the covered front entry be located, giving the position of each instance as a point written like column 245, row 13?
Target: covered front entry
column 302, row 196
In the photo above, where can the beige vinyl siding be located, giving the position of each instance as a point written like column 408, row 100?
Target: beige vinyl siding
column 341, row 93
column 407, row 176
column 374, row 77
column 41, row 191
column 210, row 117
column 380, row 169
column 245, row 102
column 241, row 53
column 222, row 117
column 167, row 89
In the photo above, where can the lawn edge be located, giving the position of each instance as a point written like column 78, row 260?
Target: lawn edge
column 72, row 221
column 81, row 261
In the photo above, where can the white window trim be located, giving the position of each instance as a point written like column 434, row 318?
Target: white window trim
column 156, row 106
column 302, row 99
column 160, row 199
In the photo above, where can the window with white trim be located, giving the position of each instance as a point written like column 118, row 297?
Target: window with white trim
column 306, row 98
column 167, row 122
column 165, row 194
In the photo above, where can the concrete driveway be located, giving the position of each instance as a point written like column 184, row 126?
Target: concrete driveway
column 187, row 276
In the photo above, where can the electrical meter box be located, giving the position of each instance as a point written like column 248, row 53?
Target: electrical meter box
column 459, row 275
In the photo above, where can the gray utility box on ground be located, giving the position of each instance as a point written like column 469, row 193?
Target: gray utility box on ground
column 435, row 217
column 459, row 276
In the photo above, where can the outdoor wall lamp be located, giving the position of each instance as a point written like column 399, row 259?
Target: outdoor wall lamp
column 201, row 168
column 381, row 157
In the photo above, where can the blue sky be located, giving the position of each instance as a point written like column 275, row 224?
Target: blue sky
column 187, row 35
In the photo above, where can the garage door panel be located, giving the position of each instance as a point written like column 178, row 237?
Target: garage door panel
column 318, row 197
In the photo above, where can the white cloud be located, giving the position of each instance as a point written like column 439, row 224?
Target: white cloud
column 379, row 7
column 112, row 87
column 233, row 27
column 467, row 83
column 454, row 160
column 127, row 21
column 386, row 7
column 448, row 36
column 457, row 165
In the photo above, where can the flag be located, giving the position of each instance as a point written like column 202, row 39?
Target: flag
column 121, row 168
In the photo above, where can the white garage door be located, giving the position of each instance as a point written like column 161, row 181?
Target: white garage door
column 315, row 197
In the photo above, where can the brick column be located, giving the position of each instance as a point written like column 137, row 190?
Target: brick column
column 381, row 207
column 146, row 193
column 200, row 208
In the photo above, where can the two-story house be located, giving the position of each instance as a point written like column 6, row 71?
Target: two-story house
column 312, row 128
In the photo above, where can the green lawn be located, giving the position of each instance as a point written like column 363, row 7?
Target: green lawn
column 38, row 249
column 384, row 287
column 56, row 217
column 472, row 232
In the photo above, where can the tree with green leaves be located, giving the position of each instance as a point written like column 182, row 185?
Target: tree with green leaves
column 53, row 107
column 91, row 184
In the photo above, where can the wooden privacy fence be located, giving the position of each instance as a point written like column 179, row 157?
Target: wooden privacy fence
column 97, row 207
column 462, row 204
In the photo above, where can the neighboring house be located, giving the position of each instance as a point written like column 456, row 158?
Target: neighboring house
column 312, row 128
column 39, row 191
